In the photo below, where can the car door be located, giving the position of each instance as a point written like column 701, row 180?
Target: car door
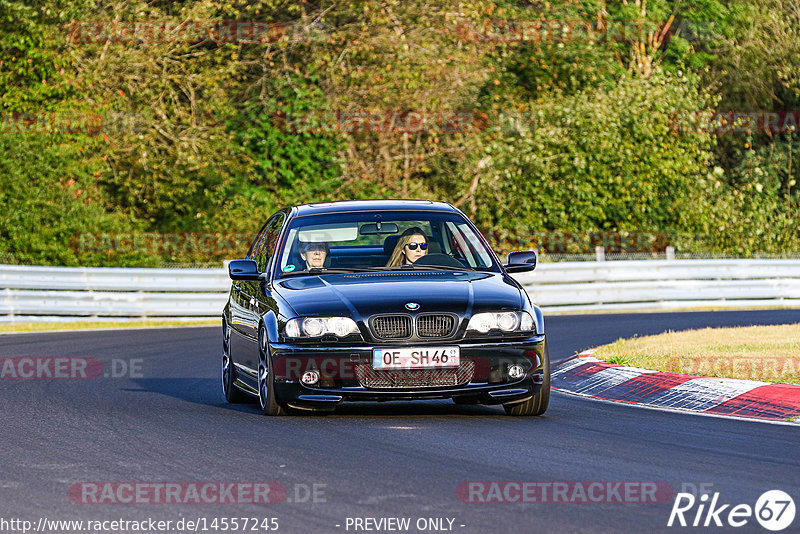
column 241, row 321
column 256, row 294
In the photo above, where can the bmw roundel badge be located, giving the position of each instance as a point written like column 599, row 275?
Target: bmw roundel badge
column 412, row 306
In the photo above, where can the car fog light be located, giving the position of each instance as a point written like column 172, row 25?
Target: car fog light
column 310, row 378
column 516, row 371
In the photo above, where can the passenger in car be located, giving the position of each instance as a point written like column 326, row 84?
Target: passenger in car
column 411, row 246
column 314, row 254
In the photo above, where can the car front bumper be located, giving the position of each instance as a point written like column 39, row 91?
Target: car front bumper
column 489, row 382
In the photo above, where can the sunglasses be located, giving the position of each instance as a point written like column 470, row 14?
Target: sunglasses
column 413, row 246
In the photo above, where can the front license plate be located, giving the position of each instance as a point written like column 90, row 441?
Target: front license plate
column 415, row 358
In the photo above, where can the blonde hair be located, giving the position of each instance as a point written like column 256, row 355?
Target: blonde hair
column 397, row 258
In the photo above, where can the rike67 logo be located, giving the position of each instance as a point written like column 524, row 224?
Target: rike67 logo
column 774, row 510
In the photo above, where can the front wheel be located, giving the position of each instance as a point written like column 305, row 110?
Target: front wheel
column 266, row 391
column 537, row 404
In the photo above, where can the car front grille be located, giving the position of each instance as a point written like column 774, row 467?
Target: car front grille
column 428, row 326
column 391, row 326
column 435, row 325
column 415, row 378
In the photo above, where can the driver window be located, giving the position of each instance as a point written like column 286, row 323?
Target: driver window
column 267, row 245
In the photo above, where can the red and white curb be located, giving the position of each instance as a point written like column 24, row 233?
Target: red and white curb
column 587, row 376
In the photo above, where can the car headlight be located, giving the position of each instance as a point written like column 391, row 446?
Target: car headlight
column 513, row 321
column 319, row 326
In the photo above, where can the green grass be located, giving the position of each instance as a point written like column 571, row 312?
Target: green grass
column 767, row 353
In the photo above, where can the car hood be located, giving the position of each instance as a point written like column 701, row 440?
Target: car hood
column 360, row 295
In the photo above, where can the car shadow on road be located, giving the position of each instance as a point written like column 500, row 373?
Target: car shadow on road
column 415, row 408
column 207, row 391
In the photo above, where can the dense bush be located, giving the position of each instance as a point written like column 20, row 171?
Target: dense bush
column 568, row 131
column 600, row 159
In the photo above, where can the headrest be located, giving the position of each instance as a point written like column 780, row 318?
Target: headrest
column 389, row 243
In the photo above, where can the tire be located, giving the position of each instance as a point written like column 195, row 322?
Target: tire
column 266, row 392
column 537, row 404
column 232, row 394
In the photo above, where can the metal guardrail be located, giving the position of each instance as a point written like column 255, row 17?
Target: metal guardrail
column 653, row 284
column 49, row 293
column 36, row 293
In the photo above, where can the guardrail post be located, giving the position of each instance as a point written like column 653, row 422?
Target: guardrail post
column 600, row 253
column 9, row 299
column 670, row 253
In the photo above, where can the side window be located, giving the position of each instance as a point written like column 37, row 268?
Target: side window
column 254, row 245
column 267, row 245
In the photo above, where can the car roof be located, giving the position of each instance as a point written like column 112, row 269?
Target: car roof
column 320, row 208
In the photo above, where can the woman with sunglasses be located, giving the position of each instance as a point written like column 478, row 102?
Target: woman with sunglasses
column 411, row 246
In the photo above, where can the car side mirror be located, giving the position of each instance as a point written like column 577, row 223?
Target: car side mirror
column 243, row 270
column 521, row 261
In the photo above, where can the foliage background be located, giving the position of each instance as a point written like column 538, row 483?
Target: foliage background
column 571, row 134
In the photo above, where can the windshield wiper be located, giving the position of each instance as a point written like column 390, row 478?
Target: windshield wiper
column 344, row 270
column 336, row 270
column 414, row 266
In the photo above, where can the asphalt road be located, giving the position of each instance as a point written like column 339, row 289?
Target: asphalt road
column 169, row 423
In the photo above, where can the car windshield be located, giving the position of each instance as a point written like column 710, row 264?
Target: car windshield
column 391, row 240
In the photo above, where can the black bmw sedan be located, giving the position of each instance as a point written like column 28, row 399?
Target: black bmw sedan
column 380, row 300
